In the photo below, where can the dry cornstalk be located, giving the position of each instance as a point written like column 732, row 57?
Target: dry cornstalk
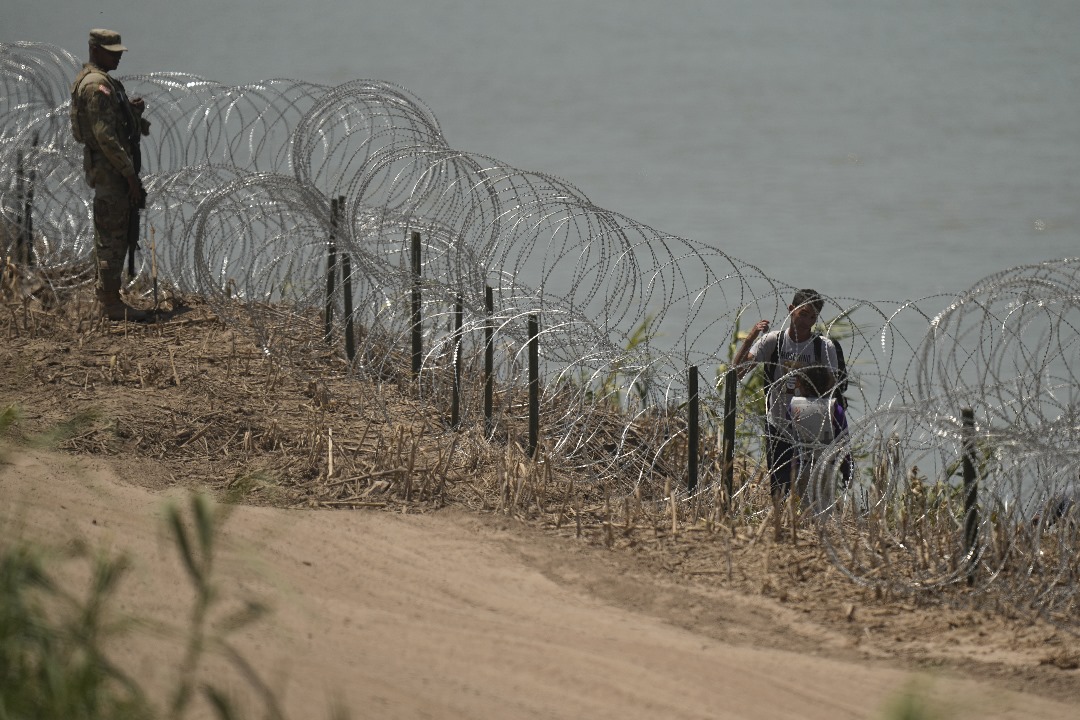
column 439, row 489
column 763, row 526
column 172, row 364
column 793, row 504
column 412, row 464
column 609, row 535
column 727, row 554
column 353, row 503
column 329, row 453
column 674, row 510
column 548, row 473
column 565, row 503
column 479, row 495
column 520, row 474
column 202, row 431
column 504, row 490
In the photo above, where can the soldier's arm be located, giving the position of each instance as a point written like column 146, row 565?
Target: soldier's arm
column 101, row 105
column 139, row 106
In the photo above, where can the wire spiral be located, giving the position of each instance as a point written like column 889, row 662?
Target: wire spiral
column 242, row 181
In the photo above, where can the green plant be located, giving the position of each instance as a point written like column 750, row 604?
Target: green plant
column 66, row 429
column 246, row 483
column 8, row 417
column 51, row 659
column 612, row 388
column 197, row 552
column 912, row 703
column 52, row 662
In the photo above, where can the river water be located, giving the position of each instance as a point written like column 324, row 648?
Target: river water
column 886, row 150
column 880, row 151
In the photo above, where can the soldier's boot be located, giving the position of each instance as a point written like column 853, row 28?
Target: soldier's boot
column 112, row 307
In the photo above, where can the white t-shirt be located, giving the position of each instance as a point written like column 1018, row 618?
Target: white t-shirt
column 793, row 355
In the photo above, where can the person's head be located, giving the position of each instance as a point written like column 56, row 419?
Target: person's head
column 105, row 48
column 804, row 309
column 814, row 381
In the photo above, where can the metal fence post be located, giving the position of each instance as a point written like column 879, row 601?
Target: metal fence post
column 20, row 221
column 417, row 339
column 455, row 404
column 346, row 281
column 30, row 259
column 489, row 362
column 692, row 429
column 731, row 384
column 534, row 384
column 971, row 494
column 331, row 271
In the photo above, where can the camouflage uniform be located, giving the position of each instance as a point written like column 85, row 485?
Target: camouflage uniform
column 105, row 121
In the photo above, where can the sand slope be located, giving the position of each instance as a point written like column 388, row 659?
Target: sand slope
column 452, row 616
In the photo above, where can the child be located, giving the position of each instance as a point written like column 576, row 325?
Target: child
column 816, row 420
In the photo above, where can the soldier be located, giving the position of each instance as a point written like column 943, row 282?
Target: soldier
column 109, row 125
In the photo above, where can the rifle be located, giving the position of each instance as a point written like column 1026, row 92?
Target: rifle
column 135, row 138
column 133, row 231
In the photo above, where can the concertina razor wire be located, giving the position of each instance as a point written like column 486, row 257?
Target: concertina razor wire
column 242, row 181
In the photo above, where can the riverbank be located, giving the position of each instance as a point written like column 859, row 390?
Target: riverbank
column 437, row 595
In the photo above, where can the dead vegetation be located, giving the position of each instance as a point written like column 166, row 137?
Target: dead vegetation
column 195, row 403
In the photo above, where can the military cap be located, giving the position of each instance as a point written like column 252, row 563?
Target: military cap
column 106, row 40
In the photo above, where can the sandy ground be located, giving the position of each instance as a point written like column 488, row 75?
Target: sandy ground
column 406, row 580
column 457, row 615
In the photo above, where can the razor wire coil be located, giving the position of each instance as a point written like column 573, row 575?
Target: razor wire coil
column 241, row 185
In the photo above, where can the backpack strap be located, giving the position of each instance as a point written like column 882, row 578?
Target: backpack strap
column 772, row 365
column 841, row 367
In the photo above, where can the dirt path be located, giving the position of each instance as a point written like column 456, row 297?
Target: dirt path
column 451, row 616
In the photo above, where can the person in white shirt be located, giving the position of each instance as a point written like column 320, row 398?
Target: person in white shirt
column 785, row 351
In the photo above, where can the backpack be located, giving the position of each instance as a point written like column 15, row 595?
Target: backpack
column 772, row 366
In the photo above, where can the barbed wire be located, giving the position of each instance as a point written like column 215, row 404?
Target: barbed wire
column 245, row 184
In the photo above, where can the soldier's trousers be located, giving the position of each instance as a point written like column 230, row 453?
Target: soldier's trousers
column 112, row 212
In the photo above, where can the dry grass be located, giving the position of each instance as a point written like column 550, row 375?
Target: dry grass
column 196, row 400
